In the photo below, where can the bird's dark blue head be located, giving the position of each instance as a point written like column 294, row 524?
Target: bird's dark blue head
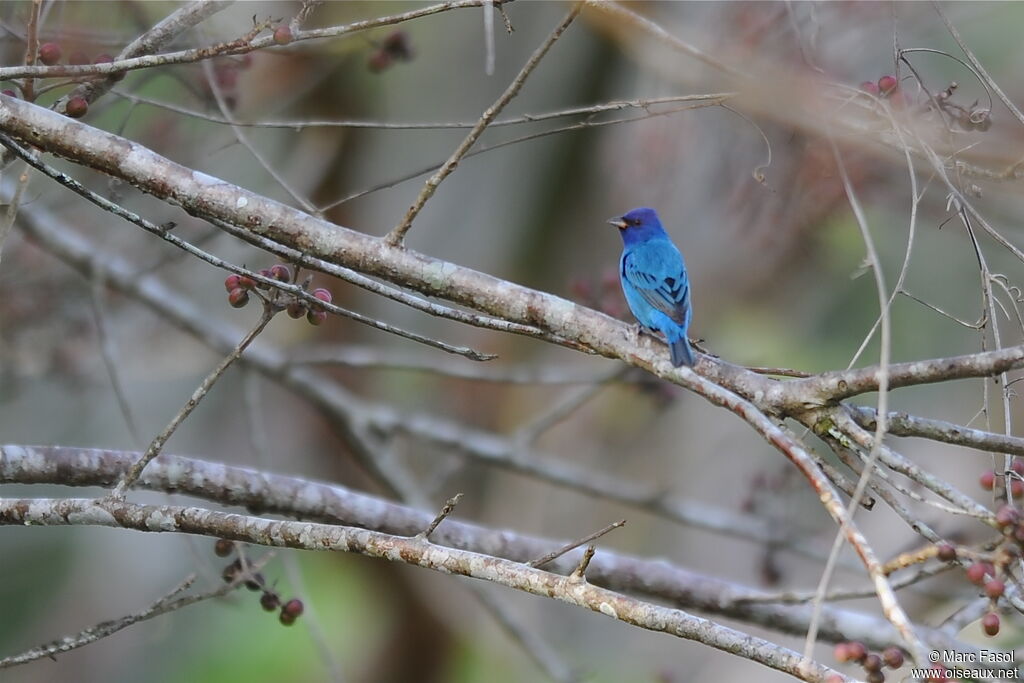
column 639, row 225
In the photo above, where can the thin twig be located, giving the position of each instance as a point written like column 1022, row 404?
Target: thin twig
column 417, row 552
column 580, row 572
column 449, row 507
column 397, row 234
column 156, row 446
column 568, row 547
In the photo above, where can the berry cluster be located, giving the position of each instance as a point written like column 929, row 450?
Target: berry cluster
column 50, row 54
column 1014, row 481
column 270, row 600
column 969, row 118
column 239, row 287
column 887, row 87
column 855, row 651
column 394, row 48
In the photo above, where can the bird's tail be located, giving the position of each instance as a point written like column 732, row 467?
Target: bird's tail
column 680, row 352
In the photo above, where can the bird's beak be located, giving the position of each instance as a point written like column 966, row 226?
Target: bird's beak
column 618, row 222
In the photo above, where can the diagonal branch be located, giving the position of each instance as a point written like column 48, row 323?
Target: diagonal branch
column 397, row 234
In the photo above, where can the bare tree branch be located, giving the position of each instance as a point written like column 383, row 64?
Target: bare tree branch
column 418, row 552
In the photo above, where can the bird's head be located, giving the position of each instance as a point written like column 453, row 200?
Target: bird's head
column 638, row 225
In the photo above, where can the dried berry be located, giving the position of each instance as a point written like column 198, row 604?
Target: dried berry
column 49, row 53
column 223, row 547
column 269, row 601
column 238, row 298
column 872, row 663
column 990, row 623
column 283, row 35
column 316, row 317
column 281, row 272
column 294, row 607
column 946, row 552
column 296, row 309
column 976, row 572
column 886, row 85
column 76, row 107
column 1007, row 515
column 893, row 657
column 322, row 294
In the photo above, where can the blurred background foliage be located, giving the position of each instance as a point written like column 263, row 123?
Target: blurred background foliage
column 777, row 280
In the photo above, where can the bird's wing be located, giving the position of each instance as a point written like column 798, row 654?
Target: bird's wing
column 657, row 273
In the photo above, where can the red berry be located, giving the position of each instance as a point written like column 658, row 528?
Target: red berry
column 238, row 298
column 842, row 652
column 886, row 85
column 835, row 678
column 223, row 547
column 246, row 282
column 269, row 601
column 893, row 657
column 296, row 309
column 293, row 607
column 987, row 480
column 76, row 107
column 872, row 663
column 283, row 35
column 281, row 272
column 994, row 589
column 286, row 619
column 49, row 53
column 1017, row 466
column 976, row 573
column 232, row 282
column 1007, row 515
column 869, row 87
column 316, row 317
column 1016, row 488
column 857, row 651
column 9, row 92
column 990, row 623
column 946, row 552
column 322, row 294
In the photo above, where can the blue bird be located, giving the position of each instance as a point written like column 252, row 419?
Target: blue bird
column 653, row 277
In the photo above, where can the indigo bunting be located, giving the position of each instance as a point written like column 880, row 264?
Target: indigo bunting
column 654, row 280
